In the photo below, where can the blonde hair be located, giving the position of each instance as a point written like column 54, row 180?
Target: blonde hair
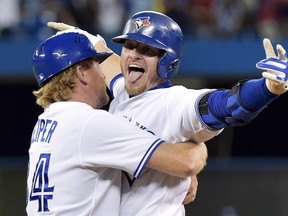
column 59, row 87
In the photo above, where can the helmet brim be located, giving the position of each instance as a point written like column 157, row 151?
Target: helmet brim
column 102, row 56
column 141, row 39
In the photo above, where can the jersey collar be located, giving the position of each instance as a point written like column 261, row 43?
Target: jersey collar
column 166, row 84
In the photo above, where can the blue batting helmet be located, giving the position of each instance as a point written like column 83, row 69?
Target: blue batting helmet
column 160, row 31
column 60, row 52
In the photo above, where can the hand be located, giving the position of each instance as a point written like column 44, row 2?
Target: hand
column 64, row 28
column 191, row 194
column 203, row 156
column 276, row 73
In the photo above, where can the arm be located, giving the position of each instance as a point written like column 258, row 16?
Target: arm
column 110, row 67
column 180, row 159
column 247, row 99
column 237, row 106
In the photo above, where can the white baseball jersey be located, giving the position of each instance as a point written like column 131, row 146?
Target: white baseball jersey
column 169, row 113
column 75, row 159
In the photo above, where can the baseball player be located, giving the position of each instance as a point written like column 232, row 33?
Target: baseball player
column 77, row 150
column 143, row 95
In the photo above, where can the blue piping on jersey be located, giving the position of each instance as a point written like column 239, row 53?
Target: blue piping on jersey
column 146, row 157
column 130, row 181
column 118, row 76
column 166, row 84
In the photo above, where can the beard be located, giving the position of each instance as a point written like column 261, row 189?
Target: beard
column 133, row 89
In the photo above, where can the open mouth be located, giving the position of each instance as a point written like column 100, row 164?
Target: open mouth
column 135, row 73
column 135, row 68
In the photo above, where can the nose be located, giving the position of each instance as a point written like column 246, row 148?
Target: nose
column 134, row 53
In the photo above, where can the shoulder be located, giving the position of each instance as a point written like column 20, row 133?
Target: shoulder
column 180, row 92
column 117, row 85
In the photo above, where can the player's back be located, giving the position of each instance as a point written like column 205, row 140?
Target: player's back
column 62, row 180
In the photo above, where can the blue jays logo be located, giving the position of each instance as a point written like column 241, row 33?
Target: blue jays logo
column 141, row 21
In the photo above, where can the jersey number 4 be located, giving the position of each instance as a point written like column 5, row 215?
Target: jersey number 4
column 40, row 189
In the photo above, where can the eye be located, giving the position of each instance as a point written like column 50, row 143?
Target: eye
column 129, row 45
column 150, row 51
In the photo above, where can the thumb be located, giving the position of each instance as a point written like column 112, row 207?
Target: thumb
column 281, row 52
column 59, row 26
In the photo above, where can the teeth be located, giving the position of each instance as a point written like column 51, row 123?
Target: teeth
column 136, row 66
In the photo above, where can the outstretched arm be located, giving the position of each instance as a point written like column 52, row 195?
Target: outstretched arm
column 247, row 99
column 110, row 67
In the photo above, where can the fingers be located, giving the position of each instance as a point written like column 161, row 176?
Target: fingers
column 268, row 48
column 191, row 194
column 59, row 26
column 281, row 52
column 276, row 72
column 270, row 51
column 270, row 76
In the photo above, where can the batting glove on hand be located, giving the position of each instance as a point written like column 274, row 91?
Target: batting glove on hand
column 64, row 28
column 276, row 68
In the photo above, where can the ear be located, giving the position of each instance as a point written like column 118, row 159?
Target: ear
column 82, row 74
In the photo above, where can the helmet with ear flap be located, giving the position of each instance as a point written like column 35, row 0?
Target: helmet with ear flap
column 160, row 31
column 60, row 52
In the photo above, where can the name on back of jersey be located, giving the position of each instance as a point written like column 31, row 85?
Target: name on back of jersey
column 43, row 130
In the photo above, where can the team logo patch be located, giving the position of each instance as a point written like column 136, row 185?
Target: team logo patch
column 41, row 77
column 141, row 21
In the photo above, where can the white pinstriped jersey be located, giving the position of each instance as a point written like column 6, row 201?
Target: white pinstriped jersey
column 169, row 113
column 76, row 157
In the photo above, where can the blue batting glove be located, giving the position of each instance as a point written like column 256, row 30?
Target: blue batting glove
column 275, row 69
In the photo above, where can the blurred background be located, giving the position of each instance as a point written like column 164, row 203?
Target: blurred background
column 247, row 169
